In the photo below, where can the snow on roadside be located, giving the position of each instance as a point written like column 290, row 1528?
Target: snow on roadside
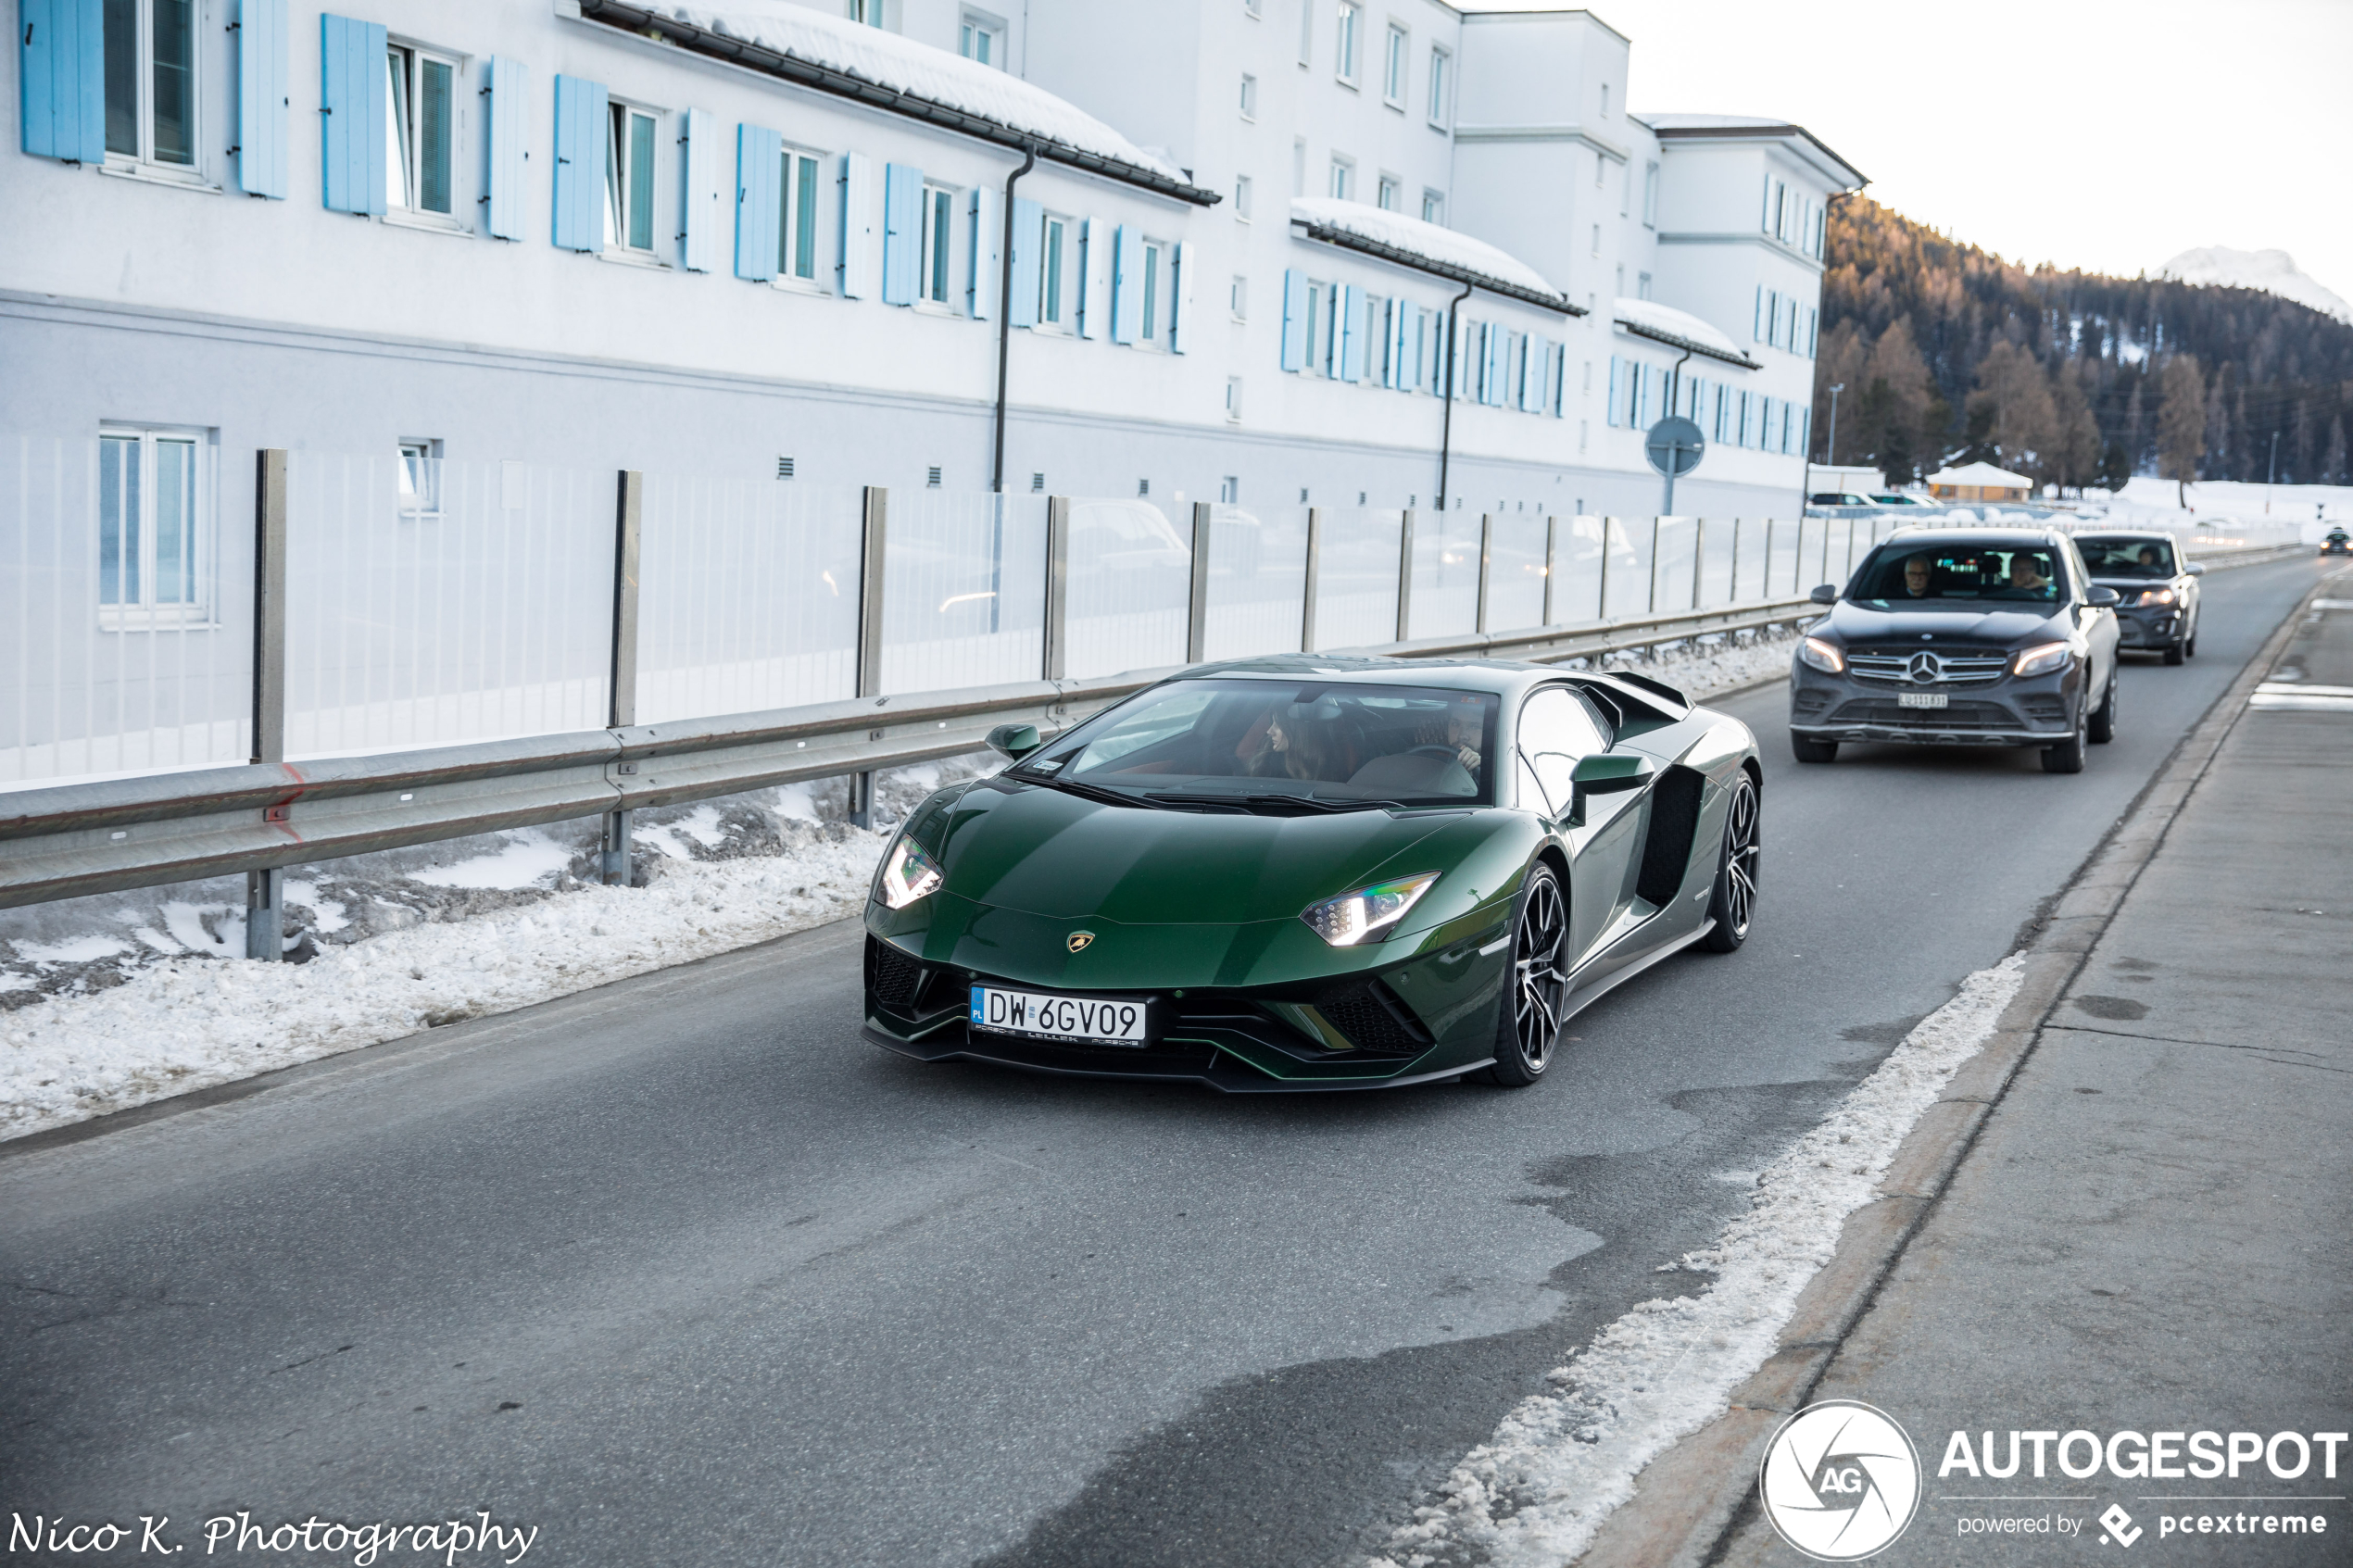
column 192, row 1022
column 1537, row 1490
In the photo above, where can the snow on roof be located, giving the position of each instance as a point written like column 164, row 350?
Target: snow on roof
column 2273, row 272
column 904, row 65
column 1981, row 475
column 1394, row 230
column 1713, row 122
column 1663, row 323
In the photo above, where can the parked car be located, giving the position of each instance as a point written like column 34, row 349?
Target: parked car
column 1314, row 872
column 1960, row 637
column 2157, row 585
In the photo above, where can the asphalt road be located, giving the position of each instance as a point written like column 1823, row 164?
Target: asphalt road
column 682, row 1271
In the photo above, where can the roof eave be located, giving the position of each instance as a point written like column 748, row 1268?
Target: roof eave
column 1676, row 340
column 1349, row 240
column 624, row 17
column 1780, row 132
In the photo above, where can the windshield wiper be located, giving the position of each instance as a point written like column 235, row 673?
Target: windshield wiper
column 1293, row 805
column 1095, row 793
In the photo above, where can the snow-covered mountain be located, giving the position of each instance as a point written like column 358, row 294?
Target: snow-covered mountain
column 2273, row 271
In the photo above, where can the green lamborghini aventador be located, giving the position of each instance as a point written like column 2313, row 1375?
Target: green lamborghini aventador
column 1313, row 873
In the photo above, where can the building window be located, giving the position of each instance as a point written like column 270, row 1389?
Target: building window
column 1241, row 197
column 1605, row 100
column 1351, row 14
column 1317, row 313
column 1050, row 261
column 1650, row 195
column 1597, row 239
column 1299, row 167
column 1237, row 297
column 152, row 534
column 151, row 80
column 1250, row 96
column 870, row 13
column 1253, row 9
column 1306, row 33
column 1442, row 83
column 797, row 218
column 1392, row 72
column 1233, row 411
column 1642, row 285
column 629, row 180
column 1229, row 489
column 1390, row 199
column 420, row 479
column 420, row 118
column 1343, row 178
column 1154, row 251
column 981, row 39
column 939, row 206
column 1433, row 207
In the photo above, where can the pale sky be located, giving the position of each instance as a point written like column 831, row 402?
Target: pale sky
column 2090, row 134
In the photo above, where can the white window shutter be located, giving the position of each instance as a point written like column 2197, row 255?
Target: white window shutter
column 987, row 239
column 1092, row 301
column 1127, row 289
column 855, row 273
column 505, row 120
column 902, row 237
column 1029, row 239
column 701, row 213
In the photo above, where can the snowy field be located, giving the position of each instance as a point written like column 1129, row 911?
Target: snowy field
column 111, row 1001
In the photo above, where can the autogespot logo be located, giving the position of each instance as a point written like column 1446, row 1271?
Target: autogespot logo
column 1840, row 1481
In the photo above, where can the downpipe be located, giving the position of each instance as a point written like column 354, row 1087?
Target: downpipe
column 1005, row 318
column 1446, row 394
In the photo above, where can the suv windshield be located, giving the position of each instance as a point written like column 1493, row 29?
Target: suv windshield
column 1897, row 573
column 2128, row 557
column 1280, row 746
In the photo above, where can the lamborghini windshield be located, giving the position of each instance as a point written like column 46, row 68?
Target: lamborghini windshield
column 1899, row 573
column 1280, row 746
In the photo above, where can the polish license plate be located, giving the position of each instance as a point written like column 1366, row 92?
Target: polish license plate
column 1091, row 1019
column 1920, row 699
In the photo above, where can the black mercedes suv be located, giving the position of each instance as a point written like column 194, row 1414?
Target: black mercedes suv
column 1961, row 637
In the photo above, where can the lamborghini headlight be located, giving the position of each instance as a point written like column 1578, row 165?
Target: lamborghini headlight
column 2043, row 658
column 1364, row 915
column 1825, row 655
column 907, row 874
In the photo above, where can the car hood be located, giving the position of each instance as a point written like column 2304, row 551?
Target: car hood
column 1043, row 852
column 1859, row 623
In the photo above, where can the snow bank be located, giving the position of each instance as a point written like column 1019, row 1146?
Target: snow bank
column 905, row 65
column 1537, row 1491
column 1426, row 240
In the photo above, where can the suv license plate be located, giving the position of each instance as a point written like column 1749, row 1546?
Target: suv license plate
column 1920, row 699
column 1091, row 1019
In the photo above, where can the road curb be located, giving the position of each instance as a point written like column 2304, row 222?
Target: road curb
column 1690, row 1501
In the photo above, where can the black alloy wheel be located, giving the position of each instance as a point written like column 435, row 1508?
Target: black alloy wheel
column 2102, row 727
column 1734, row 904
column 1538, row 985
column 1805, row 748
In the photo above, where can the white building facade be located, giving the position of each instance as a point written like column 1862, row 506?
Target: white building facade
column 770, row 239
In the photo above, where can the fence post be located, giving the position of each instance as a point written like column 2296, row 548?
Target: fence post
column 1601, row 605
column 265, row 891
column 1405, row 575
column 1552, row 547
column 628, row 520
column 1486, row 552
column 1733, row 578
column 1653, row 608
column 1699, row 555
column 873, row 539
column 1057, row 585
column 1769, row 558
column 1197, row 615
column 1315, row 571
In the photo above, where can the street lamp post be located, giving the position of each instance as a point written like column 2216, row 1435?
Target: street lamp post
column 1836, row 387
column 2272, row 475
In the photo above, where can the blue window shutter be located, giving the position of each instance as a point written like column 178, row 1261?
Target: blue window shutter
column 261, row 98
column 1352, row 341
column 853, row 273
column 61, row 82
column 705, row 217
column 1764, row 223
column 903, row 257
column 1617, row 368
column 981, row 281
column 352, row 89
column 581, row 112
column 1294, row 318
column 1180, row 280
column 1127, row 289
column 1029, row 242
column 1759, row 333
column 759, row 177
column 1805, row 430
column 1813, row 330
column 507, row 153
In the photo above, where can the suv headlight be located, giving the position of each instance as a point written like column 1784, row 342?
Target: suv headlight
column 1364, row 914
column 2157, row 596
column 1827, row 657
column 2043, row 658
column 907, row 874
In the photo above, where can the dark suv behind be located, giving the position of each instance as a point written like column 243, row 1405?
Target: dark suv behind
column 1975, row 637
column 2158, row 586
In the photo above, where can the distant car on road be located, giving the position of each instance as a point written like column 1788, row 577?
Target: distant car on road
column 1314, row 872
column 1960, row 637
column 2157, row 585
column 2337, row 543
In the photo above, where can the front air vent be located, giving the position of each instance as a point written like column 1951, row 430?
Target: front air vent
column 1667, row 851
column 1374, row 1020
column 895, row 977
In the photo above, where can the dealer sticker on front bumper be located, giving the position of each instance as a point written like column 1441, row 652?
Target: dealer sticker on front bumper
column 1095, row 1021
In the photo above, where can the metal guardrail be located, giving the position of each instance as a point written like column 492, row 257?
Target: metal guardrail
column 104, row 836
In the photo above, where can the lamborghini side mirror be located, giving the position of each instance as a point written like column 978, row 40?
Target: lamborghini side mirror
column 1015, row 741
column 1608, row 773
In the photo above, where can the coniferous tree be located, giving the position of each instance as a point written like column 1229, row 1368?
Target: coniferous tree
column 2116, row 467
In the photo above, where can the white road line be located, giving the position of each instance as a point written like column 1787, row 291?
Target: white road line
column 1537, row 1491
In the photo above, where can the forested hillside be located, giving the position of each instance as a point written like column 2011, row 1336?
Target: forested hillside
column 1946, row 351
